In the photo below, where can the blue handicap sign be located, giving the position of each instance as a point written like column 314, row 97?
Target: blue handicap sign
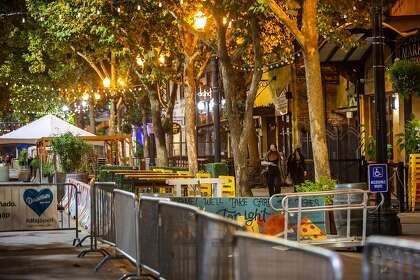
column 378, row 177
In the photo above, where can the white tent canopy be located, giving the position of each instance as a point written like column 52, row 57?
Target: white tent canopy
column 47, row 126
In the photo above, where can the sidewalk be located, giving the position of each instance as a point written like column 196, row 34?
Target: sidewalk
column 49, row 255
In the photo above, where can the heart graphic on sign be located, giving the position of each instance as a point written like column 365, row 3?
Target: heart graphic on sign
column 38, row 201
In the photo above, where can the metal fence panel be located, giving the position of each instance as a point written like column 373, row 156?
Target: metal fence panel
column 104, row 212
column 215, row 246
column 259, row 257
column 387, row 258
column 149, row 233
column 178, row 241
column 126, row 224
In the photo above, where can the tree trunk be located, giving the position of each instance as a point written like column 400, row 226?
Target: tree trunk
column 295, row 109
column 307, row 37
column 146, row 139
column 112, row 117
column 254, row 155
column 231, row 84
column 190, row 42
column 316, row 115
column 92, row 122
column 161, row 153
column 113, row 108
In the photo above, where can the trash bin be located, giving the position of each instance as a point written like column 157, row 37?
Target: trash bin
column 4, row 173
column 217, row 169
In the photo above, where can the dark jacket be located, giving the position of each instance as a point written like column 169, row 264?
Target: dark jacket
column 296, row 168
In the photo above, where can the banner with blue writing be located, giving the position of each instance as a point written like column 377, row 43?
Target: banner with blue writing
column 28, row 207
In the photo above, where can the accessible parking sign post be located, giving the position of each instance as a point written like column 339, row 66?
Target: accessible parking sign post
column 378, row 177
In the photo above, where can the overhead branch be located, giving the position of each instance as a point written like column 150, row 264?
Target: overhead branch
column 286, row 20
column 203, row 66
column 101, row 63
column 92, row 64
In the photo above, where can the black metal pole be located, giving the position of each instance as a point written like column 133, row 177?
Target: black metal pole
column 379, row 83
column 216, row 109
column 387, row 220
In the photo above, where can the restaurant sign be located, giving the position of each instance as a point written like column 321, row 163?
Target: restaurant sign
column 410, row 48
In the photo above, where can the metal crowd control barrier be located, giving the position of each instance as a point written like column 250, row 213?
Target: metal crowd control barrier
column 194, row 244
column 126, row 213
column 27, row 208
column 178, row 241
column 334, row 241
column 258, row 257
column 83, row 202
column 148, row 239
column 391, row 258
column 102, row 218
column 215, row 246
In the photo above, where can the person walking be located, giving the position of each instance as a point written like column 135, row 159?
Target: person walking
column 273, row 173
column 296, row 167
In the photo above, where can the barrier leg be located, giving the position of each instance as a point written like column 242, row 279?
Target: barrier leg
column 76, row 241
column 79, row 244
column 106, row 259
column 93, row 249
column 131, row 275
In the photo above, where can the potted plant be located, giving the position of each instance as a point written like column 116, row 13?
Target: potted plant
column 35, row 164
column 323, row 184
column 48, row 171
column 410, row 139
column 71, row 151
column 405, row 77
column 24, row 171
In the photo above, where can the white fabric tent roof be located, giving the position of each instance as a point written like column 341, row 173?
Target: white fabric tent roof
column 47, row 126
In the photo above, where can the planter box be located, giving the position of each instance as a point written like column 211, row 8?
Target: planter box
column 410, row 223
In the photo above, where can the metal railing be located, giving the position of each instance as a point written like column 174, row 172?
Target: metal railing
column 102, row 218
column 148, row 240
column 178, row 240
column 349, row 206
column 259, row 257
column 215, row 246
column 388, row 258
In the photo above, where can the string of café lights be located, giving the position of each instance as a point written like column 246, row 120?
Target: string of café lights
column 246, row 68
column 94, row 92
column 86, row 95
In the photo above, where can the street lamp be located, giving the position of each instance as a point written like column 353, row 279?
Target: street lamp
column 200, row 20
column 106, row 82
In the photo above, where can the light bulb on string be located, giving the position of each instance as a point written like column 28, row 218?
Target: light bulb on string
column 138, row 7
column 162, row 59
column 23, row 20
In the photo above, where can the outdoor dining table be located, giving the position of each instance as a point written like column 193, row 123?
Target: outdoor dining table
column 217, row 184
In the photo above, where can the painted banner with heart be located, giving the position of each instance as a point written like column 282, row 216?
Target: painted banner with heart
column 28, row 207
